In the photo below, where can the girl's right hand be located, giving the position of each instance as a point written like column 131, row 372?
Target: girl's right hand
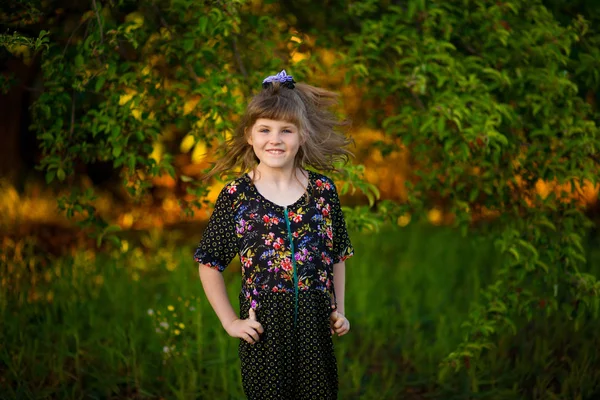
column 248, row 329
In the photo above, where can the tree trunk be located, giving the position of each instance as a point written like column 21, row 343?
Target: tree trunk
column 14, row 119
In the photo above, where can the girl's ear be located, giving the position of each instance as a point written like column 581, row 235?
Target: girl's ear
column 248, row 137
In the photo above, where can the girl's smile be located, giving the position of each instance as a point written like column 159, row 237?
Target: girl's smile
column 275, row 152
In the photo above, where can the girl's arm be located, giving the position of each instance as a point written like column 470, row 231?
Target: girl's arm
column 338, row 322
column 214, row 287
column 339, row 284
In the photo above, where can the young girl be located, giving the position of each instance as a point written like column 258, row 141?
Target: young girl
column 287, row 227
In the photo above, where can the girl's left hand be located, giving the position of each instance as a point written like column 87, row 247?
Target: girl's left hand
column 338, row 323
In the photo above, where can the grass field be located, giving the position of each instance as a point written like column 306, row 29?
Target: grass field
column 136, row 324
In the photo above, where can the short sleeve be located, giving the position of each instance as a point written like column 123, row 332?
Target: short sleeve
column 342, row 246
column 218, row 245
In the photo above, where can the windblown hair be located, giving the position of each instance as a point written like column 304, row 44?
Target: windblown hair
column 307, row 107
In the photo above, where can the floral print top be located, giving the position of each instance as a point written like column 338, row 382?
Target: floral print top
column 277, row 245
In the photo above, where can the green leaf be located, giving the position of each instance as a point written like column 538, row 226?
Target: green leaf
column 514, row 252
column 60, row 174
column 473, row 195
column 189, row 44
column 107, row 232
column 50, row 176
column 99, row 83
column 545, row 222
column 543, row 265
column 79, row 60
column 116, row 151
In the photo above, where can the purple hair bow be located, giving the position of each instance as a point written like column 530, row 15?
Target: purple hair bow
column 283, row 78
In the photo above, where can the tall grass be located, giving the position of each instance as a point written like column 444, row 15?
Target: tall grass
column 135, row 324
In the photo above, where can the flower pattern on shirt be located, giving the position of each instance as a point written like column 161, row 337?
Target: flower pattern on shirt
column 246, row 224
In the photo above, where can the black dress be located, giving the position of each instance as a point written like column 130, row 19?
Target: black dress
column 287, row 256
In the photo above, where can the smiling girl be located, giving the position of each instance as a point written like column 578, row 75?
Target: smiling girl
column 286, row 224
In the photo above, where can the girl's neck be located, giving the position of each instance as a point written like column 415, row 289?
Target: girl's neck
column 283, row 177
column 282, row 188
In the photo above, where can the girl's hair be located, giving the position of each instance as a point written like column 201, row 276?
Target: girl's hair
column 305, row 106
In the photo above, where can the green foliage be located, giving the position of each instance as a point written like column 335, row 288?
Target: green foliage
column 489, row 98
column 110, row 95
column 17, row 39
column 485, row 96
column 110, row 325
column 125, row 86
column 17, row 42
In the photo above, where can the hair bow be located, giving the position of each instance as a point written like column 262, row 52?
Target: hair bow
column 283, row 78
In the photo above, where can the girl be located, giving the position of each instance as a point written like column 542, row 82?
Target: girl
column 287, row 227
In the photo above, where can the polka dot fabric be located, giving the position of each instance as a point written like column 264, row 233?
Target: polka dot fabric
column 219, row 243
column 290, row 363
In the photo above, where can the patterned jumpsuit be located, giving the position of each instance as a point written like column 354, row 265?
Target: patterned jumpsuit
column 287, row 256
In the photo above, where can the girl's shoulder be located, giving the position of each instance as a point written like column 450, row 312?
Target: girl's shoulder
column 317, row 176
column 322, row 183
column 236, row 186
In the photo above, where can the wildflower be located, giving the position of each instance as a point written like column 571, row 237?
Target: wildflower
column 177, row 331
column 166, row 349
column 164, row 324
column 171, row 308
column 182, row 326
column 150, row 311
column 192, row 308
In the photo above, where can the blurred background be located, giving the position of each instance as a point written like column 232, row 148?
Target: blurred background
column 472, row 120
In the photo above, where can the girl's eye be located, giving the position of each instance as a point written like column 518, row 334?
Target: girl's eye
column 287, row 131
column 264, row 130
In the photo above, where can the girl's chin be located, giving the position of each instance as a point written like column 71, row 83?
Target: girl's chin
column 274, row 164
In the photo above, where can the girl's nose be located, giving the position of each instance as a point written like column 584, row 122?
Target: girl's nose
column 275, row 137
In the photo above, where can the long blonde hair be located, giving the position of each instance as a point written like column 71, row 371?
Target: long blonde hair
column 309, row 108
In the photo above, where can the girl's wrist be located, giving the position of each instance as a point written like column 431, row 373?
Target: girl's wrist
column 227, row 325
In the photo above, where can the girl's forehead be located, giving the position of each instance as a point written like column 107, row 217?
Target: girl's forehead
column 273, row 122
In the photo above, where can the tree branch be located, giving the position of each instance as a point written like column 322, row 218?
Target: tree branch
column 239, row 58
column 99, row 22
column 163, row 22
column 71, row 37
column 72, row 114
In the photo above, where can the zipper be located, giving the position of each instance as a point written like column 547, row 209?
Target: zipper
column 289, row 230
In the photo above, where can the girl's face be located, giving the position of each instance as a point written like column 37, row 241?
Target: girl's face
column 275, row 143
